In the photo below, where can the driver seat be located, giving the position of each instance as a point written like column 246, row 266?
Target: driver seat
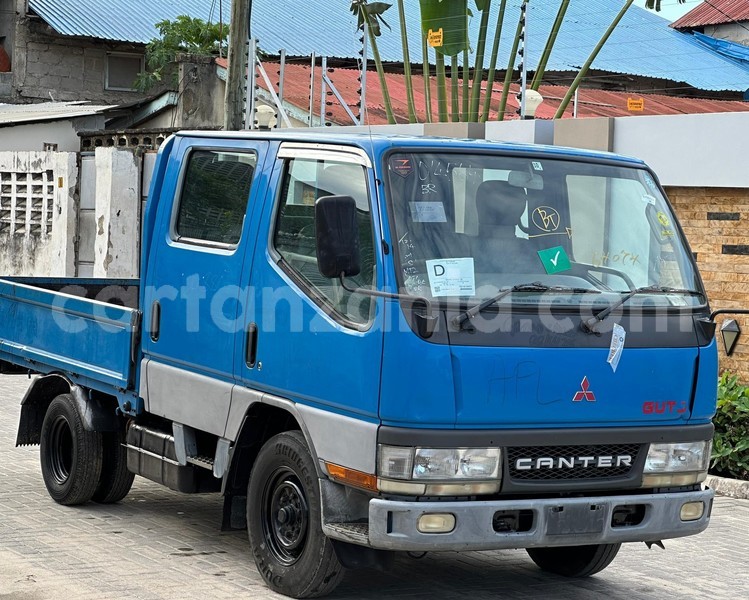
column 500, row 206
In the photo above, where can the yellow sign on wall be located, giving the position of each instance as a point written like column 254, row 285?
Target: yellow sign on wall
column 435, row 38
column 636, row 104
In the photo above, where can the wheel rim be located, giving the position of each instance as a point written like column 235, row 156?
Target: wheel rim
column 285, row 516
column 61, row 450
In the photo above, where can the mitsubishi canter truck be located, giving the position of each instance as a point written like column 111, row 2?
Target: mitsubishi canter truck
column 378, row 344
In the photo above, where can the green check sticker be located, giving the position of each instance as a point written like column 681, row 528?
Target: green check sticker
column 555, row 259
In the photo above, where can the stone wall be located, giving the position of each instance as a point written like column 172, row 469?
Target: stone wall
column 716, row 222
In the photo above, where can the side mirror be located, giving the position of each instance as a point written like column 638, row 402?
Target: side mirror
column 337, row 236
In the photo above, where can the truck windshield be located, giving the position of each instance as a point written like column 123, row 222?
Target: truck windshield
column 471, row 225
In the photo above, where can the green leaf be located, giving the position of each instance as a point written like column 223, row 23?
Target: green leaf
column 451, row 18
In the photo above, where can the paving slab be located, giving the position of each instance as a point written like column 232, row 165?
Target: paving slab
column 161, row 545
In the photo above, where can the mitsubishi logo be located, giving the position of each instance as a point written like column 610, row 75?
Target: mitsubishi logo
column 584, row 393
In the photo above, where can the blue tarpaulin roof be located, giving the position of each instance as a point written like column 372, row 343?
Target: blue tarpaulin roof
column 732, row 50
column 642, row 45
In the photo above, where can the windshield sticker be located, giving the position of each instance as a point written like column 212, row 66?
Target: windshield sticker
column 555, row 260
column 677, row 300
column 402, row 166
column 451, row 277
column 428, row 212
column 663, row 219
column 618, row 335
column 648, row 199
column 649, row 181
column 537, row 166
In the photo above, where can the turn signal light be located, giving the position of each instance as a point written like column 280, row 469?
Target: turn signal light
column 352, row 477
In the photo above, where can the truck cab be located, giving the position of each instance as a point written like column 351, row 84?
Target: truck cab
column 371, row 344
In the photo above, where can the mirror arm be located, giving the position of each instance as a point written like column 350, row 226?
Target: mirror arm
column 729, row 311
column 425, row 322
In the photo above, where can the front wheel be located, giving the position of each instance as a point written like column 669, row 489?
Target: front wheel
column 574, row 561
column 71, row 455
column 291, row 552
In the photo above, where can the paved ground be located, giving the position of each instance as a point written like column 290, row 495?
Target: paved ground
column 158, row 544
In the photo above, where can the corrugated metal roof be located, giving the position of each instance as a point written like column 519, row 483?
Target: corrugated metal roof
column 715, row 12
column 11, row 114
column 592, row 103
column 643, row 44
column 122, row 20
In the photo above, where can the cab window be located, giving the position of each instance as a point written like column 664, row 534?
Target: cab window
column 306, row 180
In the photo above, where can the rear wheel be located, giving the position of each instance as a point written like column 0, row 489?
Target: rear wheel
column 574, row 561
column 116, row 480
column 283, row 520
column 71, row 456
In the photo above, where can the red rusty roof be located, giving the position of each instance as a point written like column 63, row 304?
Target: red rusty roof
column 592, row 102
column 714, row 12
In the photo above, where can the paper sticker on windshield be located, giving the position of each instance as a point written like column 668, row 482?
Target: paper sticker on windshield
column 555, row 260
column 537, row 166
column 663, row 219
column 428, row 212
column 402, row 166
column 677, row 300
column 618, row 335
column 451, row 277
column 649, row 199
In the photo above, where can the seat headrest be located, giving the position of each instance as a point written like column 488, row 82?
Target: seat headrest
column 499, row 204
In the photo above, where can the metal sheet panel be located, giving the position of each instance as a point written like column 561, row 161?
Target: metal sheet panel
column 643, row 44
column 714, row 13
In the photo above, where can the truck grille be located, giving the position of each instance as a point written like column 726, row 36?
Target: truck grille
column 556, row 463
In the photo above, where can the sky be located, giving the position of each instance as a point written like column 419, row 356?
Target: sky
column 671, row 9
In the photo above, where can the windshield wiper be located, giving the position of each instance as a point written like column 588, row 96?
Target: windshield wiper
column 589, row 325
column 536, row 286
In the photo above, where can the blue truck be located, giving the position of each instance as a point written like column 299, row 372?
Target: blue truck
column 374, row 344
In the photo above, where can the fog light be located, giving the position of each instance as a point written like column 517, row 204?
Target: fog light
column 691, row 511
column 436, row 523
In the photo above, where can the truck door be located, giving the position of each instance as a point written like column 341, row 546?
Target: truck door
column 204, row 224
column 315, row 343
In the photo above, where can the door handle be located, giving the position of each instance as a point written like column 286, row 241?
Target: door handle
column 155, row 321
column 250, row 356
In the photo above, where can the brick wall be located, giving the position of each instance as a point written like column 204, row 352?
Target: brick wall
column 716, row 223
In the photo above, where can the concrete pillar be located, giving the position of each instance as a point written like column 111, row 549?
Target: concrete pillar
column 591, row 134
column 117, row 245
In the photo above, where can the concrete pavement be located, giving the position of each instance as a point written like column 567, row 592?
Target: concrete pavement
column 160, row 545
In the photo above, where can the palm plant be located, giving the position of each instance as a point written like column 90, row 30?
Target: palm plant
column 371, row 14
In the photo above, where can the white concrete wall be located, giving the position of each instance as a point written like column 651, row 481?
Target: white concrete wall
column 33, row 136
column 524, row 132
column 709, row 150
column 118, row 197
column 38, row 213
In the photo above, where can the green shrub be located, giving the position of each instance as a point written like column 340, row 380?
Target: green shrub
column 731, row 442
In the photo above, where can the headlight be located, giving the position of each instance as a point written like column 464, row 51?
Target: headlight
column 676, row 464
column 439, row 464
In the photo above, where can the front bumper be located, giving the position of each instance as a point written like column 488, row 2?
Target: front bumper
column 556, row 522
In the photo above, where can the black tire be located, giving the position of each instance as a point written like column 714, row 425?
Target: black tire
column 574, row 561
column 71, row 456
column 116, row 480
column 284, row 524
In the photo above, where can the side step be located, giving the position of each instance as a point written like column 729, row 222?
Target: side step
column 186, row 451
column 354, row 533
